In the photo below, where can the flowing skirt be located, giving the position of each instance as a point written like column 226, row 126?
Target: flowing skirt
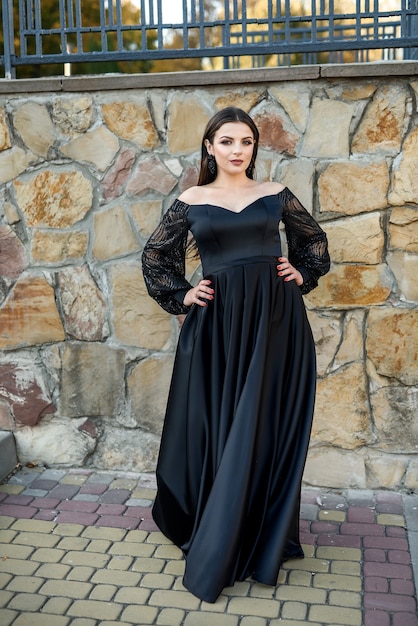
column 236, row 431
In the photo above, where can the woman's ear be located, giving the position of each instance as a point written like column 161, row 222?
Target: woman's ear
column 208, row 146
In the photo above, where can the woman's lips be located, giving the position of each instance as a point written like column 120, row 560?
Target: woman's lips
column 237, row 162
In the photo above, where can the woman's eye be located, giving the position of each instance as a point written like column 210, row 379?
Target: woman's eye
column 225, row 142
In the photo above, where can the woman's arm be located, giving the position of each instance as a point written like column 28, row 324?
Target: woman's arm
column 307, row 242
column 163, row 260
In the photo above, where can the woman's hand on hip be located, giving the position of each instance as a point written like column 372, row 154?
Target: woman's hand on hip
column 199, row 294
column 288, row 272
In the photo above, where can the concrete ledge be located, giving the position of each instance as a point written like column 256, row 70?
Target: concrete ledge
column 108, row 82
column 8, row 456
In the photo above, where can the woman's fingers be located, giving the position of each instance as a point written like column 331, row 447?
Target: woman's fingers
column 288, row 272
column 199, row 294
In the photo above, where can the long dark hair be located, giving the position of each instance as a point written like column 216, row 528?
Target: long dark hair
column 229, row 114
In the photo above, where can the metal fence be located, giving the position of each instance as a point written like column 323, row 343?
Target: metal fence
column 283, row 32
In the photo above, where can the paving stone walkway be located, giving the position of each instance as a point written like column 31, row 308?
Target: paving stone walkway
column 80, row 548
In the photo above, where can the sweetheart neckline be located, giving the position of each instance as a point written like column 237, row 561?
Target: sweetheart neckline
column 218, row 206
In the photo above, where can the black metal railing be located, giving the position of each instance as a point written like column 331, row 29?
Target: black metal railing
column 282, row 32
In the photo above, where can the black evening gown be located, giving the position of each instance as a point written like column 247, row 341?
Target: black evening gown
column 241, row 401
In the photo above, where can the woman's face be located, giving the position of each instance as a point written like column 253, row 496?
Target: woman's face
column 232, row 147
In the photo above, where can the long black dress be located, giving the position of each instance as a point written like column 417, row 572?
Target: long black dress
column 240, row 407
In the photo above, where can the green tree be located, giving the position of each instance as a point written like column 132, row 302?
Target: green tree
column 91, row 41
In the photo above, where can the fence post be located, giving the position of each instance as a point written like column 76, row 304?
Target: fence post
column 411, row 28
column 8, row 39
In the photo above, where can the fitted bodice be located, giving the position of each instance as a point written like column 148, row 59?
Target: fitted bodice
column 225, row 238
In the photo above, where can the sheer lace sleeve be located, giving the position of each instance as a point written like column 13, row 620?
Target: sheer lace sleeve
column 307, row 242
column 163, row 260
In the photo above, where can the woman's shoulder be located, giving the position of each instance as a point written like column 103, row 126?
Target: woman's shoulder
column 272, row 188
column 192, row 195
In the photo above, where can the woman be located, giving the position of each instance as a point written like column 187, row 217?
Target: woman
column 240, row 407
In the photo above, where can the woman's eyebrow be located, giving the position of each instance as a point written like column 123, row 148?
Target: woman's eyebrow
column 226, row 137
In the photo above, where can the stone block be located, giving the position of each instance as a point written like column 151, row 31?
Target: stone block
column 327, row 133
column 352, row 187
column 403, row 229
column 404, row 173
column 98, row 147
column 34, row 124
column 8, row 457
column 151, row 175
column 113, row 235
column 51, row 247
column 392, row 343
column 335, row 469
column 130, row 119
column 186, row 110
column 129, row 449
column 358, row 239
column 13, row 162
column 295, row 99
column 92, row 380
column 12, row 253
column 5, row 143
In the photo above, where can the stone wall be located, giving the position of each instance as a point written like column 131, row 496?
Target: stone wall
column 88, row 166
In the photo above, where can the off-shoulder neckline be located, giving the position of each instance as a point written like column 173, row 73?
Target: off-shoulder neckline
column 218, row 206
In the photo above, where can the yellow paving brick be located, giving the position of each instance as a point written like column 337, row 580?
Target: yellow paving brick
column 282, row 577
column 389, row 519
column 18, row 567
column 120, row 579
column 154, row 566
column 68, row 530
column 168, row 552
column 103, row 592
column 81, row 573
column 335, row 615
column 257, row 590
column 95, row 609
column 12, row 488
column 136, row 536
column 175, row 567
column 308, row 550
column 301, row 594
column 200, row 619
column 123, row 483
column 66, row 588
column 132, row 595
column 254, row 606
column 6, row 521
column 215, row 607
column 28, row 584
column 41, row 619
column 139, row 614
column 7, row 617
column 345, row 598
column 157, row 581
column 144, row 494
column 253, row 621
column 73, row 479
column 175, row 599
column 48, row 555
column 346, row 567
column 132, row 549
column 178, row 584
column 89, row 559
column 57, row 605
column 338, row 554
column 332, row 516
column 309, row 565
column 5, row 597
column 102, row 532
column 37, row 540
column 120, row 562
column 5, row 579
column 170, row 617
column 56, row 570
column 337, row 581
column 158, row 538
column 298, row 577
column 241, row 588
column 33, row 526
column 294, row 610
column 26, row 602
column 73, row 543
column 15, row 551
column 98, row 545
column 7, row 536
